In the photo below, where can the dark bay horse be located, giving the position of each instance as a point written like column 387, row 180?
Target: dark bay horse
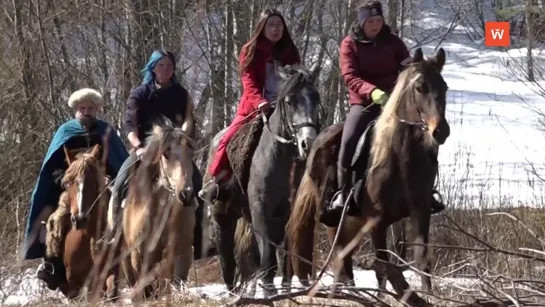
column 82, row 213
column 159, row 217
column 402, row 170
column 287, row 134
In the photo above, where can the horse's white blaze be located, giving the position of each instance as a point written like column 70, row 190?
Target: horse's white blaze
column 306, row 135
column 79, row 198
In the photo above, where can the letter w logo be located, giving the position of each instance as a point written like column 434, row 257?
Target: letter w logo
column 497, row 34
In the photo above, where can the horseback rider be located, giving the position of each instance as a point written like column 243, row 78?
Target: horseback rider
column 371, row 58
column 159, row 95
column 77, row 135
column 270, row 41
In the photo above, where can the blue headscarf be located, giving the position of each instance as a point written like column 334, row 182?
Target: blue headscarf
column 156, row 56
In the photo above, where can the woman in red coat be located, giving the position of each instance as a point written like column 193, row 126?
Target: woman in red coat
column 270, row 41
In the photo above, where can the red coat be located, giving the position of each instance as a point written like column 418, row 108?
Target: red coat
column 366, row 65
column 253, row 77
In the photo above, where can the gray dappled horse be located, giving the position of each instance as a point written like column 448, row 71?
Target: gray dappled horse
column 263, row 197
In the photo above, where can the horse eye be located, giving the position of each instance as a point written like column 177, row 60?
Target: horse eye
column 422, row 88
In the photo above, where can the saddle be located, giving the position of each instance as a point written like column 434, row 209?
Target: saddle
column 241, row 148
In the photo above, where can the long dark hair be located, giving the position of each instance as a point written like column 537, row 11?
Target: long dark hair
column 284, row 43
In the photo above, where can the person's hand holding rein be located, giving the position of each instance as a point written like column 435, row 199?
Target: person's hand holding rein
column 264, row 107
column 140, row 151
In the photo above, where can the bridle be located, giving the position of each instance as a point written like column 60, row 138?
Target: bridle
column 291, row 128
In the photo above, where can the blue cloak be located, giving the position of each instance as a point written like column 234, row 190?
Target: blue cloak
column 117, row 153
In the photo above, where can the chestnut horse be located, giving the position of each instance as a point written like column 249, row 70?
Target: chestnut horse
column 159, row 217
column 82, row 211
column 404, row 143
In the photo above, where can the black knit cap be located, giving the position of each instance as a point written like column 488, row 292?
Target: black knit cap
column 369, row 9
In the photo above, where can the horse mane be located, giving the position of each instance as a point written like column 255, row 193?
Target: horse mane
column 163, row 132
column 297, row 78
column 80, row 165
column 388, row 120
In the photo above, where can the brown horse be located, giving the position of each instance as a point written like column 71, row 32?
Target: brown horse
column 403, row 167
column 159, row 216
column 83, row 204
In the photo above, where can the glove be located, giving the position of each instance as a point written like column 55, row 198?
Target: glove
column 379, row 97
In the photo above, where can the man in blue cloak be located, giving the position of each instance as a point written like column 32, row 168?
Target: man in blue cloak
column 78, row 134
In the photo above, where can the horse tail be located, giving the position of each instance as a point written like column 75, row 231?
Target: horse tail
column 246, row 251
column 300, row 226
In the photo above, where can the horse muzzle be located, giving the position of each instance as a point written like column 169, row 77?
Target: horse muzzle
column 441, row 132
column 79, row 221
column 186, row 196
column 305, row 139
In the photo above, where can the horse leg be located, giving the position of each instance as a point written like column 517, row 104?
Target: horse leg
column 70, row 290
column 262, row 223
column 420, row 220
column 347, row 233
column 141, row 270
column 287, row 271
column 112, row 283
column 378, row 237
column 224, row 225
column 185, row 253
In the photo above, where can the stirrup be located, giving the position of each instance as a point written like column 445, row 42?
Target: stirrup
column 335, row 198
column 212, row 181
column 43, row 267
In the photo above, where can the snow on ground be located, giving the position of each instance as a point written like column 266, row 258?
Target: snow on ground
column 26, row 289
column 494, row 136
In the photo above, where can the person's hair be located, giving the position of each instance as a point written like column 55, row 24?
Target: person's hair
column 280, row 46
column 156, row 56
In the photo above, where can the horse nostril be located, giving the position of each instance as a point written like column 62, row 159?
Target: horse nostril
column 78, row 221
column 304, row 145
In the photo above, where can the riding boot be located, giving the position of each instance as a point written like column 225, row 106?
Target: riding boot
column 333, row 212
column 52, row 272
column 436, row 205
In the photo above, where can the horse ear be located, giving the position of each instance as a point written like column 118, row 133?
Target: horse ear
column 280, row 71
column 95, row 151
column 440, row 59
column 67, row 155
column 314, row 72
column 418, row 55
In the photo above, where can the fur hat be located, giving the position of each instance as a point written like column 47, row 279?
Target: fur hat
column 85, row 94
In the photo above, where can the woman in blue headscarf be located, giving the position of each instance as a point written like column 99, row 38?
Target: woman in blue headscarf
column 160, row 94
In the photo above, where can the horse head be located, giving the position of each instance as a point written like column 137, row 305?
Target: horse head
column 83, row 181
column 169, row 153
column 426, row 92
column 416, row 106
column 299, row 104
